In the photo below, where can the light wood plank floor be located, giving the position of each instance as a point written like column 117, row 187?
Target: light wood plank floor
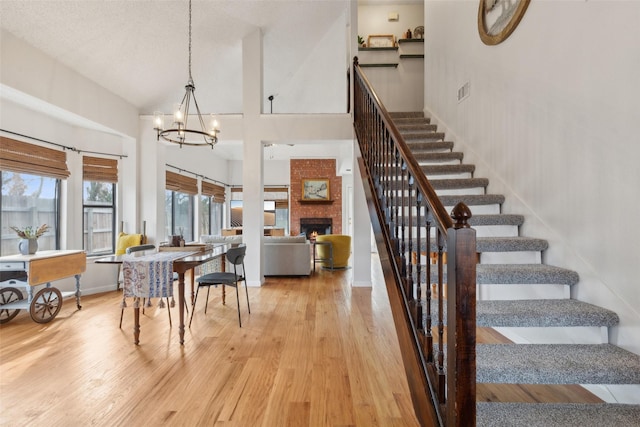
column 313, row 352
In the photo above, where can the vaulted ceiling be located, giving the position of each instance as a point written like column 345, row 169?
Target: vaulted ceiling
column 138, row 49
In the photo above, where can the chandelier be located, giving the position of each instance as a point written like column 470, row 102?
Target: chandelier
column 179, row 132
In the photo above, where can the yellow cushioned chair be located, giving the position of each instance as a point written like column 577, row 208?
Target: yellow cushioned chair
column 341, row 250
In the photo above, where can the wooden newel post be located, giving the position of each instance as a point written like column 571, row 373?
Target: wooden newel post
column 461, row 320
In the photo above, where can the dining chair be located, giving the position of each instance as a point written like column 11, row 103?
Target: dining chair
column 235, row 257
column 140, row 248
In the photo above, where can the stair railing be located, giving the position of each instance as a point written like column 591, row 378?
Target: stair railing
column 410, row 223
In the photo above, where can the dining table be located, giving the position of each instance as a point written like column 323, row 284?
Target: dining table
column 182, row 263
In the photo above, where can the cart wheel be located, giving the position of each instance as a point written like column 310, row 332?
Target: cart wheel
column 45, row 305
column 8, row 295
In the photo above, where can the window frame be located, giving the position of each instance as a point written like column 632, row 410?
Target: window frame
column 171, row 229
column 57, row 209
column 111, row 206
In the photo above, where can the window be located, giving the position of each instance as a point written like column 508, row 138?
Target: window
column 210, row 216
column 179, row 214
column 99, row 219
column 99, row 204
column 211, row 208
column 180, row 192
column 29, row 200
column 31, row 177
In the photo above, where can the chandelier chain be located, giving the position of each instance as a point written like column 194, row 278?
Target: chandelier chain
column 180, row 133
column 190, row 78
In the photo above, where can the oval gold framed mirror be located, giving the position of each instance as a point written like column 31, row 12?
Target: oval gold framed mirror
column 498, row 18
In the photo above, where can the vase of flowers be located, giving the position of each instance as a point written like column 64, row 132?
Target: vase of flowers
column 28, row 244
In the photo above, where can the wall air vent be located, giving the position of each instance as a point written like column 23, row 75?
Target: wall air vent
column 463, row 92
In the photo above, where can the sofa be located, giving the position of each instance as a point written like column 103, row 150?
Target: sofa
column 282, row 255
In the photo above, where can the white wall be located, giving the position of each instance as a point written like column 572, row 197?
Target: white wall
column 552, row 120
column 401, row 88
column 373, row 19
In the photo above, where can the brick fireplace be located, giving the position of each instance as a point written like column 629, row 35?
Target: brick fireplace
column 332, row 209
column 318, row 225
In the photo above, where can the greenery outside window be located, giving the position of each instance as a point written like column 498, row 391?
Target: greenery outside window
column 29, row 200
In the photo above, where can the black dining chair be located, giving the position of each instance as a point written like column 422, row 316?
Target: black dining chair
column 235, row 256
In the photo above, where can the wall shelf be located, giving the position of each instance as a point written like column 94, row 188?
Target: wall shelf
column 410, row 40
column 411, row 55
column 380, row 65
column 374, row 49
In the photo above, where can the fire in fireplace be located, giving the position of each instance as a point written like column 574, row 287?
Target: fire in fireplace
column 318, row 225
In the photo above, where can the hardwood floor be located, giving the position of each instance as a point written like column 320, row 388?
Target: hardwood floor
column 313, row 352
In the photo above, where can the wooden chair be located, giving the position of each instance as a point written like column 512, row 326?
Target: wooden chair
column 140, row 248
column 126, row 241
column 235, row 256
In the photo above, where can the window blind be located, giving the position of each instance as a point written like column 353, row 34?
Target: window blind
column 213, row 190
column 22, row 157
column 99, row 169
column 181, row 183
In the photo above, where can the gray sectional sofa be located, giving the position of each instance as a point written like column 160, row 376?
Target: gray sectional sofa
column 283, row 255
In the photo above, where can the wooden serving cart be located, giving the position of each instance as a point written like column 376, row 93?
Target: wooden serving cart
column 31, row 271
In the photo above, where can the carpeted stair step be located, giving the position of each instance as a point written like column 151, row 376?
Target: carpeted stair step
column 439, row 157
column 417, row 147
column 497, row 219
column 448, row 184
column 543, row 313
column 452, row 169
column 509, row 274
column 423, row 136
column 412, row 121
column 515, row 274
column 556, row 364
column 497, row 244
column 511, row 244
column 416, row 127
column 514, row 414
column 484, row 220
column 472, row 199
column 406, row 115
column 536, row 313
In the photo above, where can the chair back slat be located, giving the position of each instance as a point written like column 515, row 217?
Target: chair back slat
column 236, row 255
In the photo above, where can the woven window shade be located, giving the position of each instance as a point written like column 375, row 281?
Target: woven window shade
column 22, row 157
column 282, row 204
column 276, row 190
column 213, row 190
column 99, row 169
column 181, row 183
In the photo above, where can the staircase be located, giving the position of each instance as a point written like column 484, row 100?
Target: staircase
column 538, row 295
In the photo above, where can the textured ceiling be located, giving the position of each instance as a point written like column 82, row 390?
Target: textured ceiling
column 139, row 49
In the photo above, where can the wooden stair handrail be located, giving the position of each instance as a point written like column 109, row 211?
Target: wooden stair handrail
column 402, row 203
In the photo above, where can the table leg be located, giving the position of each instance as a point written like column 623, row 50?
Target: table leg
column 136, row 324
column 181, row 304
column 223, row 267
column 314, row 257
column 192, row 275
column 77, row 276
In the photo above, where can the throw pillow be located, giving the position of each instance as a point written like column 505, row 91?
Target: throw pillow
column 127, row 240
